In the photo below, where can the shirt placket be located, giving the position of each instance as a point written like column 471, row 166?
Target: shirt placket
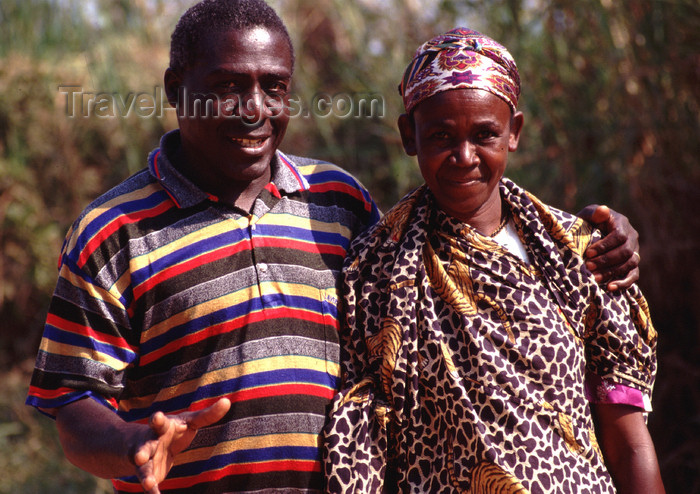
column 261, row 268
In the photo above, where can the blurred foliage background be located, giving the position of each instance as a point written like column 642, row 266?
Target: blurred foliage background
column 611, row 101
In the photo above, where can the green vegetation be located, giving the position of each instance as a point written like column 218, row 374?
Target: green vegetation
column 31, row 461
column 610, row 95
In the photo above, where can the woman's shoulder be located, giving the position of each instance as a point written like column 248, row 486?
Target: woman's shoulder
column 391, row 229
column 561, row 225
column 396, row 237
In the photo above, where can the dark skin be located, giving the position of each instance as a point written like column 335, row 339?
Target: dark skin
column 228, row 154
column 614, row 259
column 462, row 138
column 615, row 254
column 228, row 157
column 245, row 76
column 628, row 449
column 100, row 442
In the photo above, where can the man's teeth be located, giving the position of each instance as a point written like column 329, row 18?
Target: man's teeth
column 249, row 143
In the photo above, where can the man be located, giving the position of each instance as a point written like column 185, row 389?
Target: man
column 204, row 286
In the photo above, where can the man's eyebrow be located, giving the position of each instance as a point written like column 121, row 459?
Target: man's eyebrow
column 226, row 73
column 222, row 72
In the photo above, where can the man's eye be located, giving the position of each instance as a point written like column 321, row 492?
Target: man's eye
column 276, row 88
column 230, row 87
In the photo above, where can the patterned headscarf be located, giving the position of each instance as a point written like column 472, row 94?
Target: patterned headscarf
column 461, row 58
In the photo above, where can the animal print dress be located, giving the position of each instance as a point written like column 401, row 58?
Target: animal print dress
column 465, row 366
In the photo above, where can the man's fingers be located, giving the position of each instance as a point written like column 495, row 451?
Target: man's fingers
column 159, row 423
column 631, row 277
column 602, row 218
column 144, row 453
column 143, row 460
column 210, row 415
column 614, row 243
column 613, row 277
column 150, row 485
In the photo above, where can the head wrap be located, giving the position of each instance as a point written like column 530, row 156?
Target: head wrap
column 460, row 59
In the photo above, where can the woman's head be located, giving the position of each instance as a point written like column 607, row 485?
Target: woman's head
column 460, row 92
column 460, row 59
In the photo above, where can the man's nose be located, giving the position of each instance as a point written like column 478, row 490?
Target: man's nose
column 254, row 108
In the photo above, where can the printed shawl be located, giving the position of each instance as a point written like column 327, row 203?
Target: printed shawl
column 465, row 367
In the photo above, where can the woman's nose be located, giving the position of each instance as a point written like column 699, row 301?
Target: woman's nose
column 466, row 154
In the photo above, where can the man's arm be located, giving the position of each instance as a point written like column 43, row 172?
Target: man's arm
column 628, row 449
column 100, row 442
column 614, row 258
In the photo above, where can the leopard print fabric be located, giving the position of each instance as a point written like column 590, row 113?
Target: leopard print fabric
column 465, row 366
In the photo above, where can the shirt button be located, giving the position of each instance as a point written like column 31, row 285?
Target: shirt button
column 262, row 267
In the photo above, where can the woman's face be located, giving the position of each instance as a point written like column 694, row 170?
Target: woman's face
column 461, row 138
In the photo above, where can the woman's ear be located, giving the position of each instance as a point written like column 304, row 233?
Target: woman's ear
column 516, row 126
column 407, row 130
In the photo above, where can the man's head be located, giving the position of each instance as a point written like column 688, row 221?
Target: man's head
column 215, row 16
column 230, row 75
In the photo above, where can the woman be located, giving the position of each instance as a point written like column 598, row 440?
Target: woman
column 479, row 347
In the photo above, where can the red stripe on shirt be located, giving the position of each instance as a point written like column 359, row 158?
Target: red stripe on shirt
column 235, row 469
column 49, row 394
column 83, row 330
column 124, row 219
column 342, row 188
column 232, row 325
column 314, row 248
column 189, row 265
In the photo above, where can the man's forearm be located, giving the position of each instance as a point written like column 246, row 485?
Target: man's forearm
column 97, row 440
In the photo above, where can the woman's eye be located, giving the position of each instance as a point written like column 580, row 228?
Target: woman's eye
column 486, row 135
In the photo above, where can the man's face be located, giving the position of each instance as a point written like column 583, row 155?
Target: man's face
column 233, row 108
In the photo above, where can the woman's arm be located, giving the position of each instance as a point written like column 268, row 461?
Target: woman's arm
column 628, row 449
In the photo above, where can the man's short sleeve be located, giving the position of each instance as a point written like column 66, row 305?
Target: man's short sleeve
column 83, row 351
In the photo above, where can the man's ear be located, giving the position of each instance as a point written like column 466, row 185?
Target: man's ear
column 407, row 130
column 172, row 82
column 516, row 126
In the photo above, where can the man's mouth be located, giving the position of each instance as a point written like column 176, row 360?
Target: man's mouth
column 249, row 143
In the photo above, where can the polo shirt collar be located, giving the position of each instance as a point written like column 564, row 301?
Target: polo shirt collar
column 286, row 177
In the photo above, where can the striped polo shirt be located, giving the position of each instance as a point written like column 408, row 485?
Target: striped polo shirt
column 168, row 299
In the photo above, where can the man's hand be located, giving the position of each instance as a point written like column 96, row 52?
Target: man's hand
column 97, row 440
column 614, row 258
column 170, row 435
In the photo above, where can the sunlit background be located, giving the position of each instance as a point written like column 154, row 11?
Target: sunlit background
column 611, row 102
